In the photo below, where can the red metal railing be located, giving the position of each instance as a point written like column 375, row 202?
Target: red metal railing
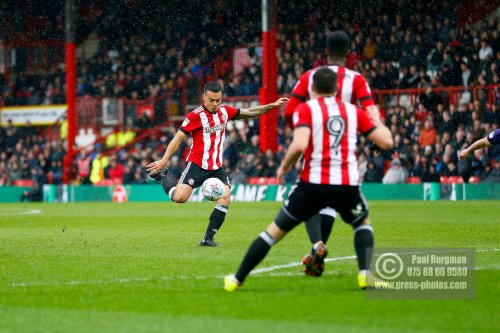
column 450, row 95
column 89, row 108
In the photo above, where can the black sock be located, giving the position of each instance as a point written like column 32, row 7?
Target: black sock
column 216, row 219
column 255, row 254
column 363, row 243
column 168, row 183
column 313, row 227
column 326, row 227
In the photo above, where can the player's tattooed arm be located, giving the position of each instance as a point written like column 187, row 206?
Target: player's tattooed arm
column 259, row 110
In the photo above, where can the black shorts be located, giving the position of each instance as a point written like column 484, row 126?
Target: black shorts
column 308, row 199
column 194, row 175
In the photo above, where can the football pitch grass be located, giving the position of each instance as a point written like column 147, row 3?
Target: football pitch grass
column 137, row 267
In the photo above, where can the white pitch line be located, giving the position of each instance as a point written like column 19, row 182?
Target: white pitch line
column 119, row 280
column 294, row 264
column 493, row 268
column 187, row 277
column 11, row 212
column 165, row 278
column 277, row 274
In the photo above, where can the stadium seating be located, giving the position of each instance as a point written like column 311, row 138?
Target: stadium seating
column 413, row 180
column 23, row 182
column 108, row 182
column 262, row 180
column 474, row 180
column 451, row 180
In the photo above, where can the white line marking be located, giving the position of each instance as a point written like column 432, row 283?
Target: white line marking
column 167, row 278
column 8, row 212
column 493, row 268
column 332, row 272
column 294, row 264
column 188, row 277
column 119, row 280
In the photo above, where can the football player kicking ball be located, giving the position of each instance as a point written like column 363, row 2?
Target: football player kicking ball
column 326, row 135
column 207, row 125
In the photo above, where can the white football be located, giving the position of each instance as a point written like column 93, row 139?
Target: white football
column 212, row 189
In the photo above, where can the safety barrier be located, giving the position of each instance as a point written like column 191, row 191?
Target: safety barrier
column 254, row 193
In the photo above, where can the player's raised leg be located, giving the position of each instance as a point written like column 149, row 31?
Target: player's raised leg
column 162, row 177
column 168, row 183
column 180, row 193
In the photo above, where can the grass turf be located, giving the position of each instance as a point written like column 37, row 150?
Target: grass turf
column 137, row 267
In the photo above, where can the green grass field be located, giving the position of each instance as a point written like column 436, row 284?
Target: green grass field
column 137, row 267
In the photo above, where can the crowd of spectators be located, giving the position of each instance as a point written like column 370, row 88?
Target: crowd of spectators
column 395, row 45
column 144, row 51
column 426, row 146
column 418, row 45
column 25, row 155
column 427, row 142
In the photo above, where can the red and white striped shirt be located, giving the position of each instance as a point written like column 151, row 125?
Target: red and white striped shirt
column 208, row 131
column 351, row 88
column 330, row 157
